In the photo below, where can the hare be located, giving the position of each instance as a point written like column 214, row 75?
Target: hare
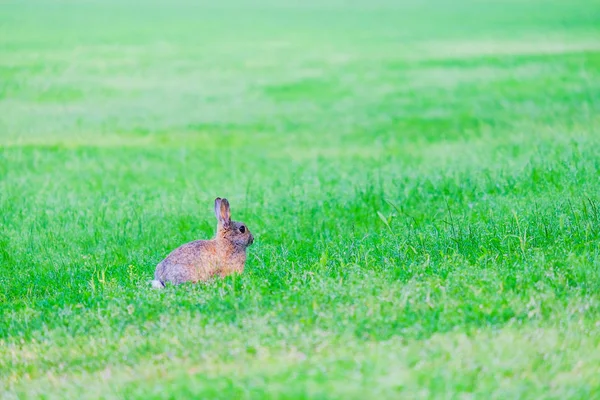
column 200, row 260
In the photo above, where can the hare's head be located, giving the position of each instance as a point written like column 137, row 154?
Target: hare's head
column 234, row 232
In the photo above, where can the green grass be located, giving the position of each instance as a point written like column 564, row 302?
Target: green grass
column 422, row 179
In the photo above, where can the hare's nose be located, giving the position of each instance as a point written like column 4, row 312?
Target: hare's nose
column 251, row 239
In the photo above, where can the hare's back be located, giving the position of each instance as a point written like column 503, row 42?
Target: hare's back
column 185, row 262
column 190, row 253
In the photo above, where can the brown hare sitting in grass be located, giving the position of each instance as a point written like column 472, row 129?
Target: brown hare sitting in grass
column 200, row 260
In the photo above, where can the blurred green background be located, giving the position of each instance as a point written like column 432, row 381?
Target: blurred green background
column 421, row 178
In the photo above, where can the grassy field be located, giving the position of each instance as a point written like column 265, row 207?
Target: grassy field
column 422, row 180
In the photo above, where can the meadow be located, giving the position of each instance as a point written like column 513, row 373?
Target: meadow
column 421, row 178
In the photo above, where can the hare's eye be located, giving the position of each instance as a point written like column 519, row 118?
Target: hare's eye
column 242, row 229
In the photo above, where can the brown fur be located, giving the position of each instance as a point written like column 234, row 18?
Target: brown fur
column 201, row 260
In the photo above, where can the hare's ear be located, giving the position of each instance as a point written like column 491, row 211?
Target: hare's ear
column 225, row 213
column 218, row 207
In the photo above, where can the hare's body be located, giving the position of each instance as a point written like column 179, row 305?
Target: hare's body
column 201, row 260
